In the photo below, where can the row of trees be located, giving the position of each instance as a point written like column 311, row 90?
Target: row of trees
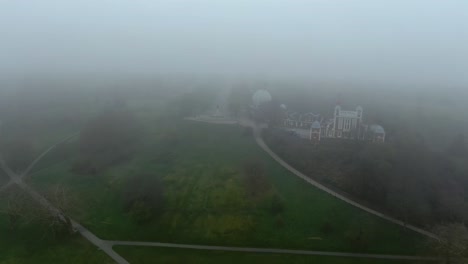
column 110, row 138
column 404, row 177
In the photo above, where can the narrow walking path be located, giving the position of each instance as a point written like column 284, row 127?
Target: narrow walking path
column 34, row 162
column 264, row 146
column 18, row 180
column 269, row 250
column 106, row 245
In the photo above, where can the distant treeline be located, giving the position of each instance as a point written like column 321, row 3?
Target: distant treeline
column 404, row 176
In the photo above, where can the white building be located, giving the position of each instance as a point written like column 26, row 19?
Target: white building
column 346, row 124
column 260, row 97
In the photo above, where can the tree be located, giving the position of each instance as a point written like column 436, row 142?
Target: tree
column 21, row 208
column 18, row 207
column 451, row 244
column 143, row 197
column 108, row 139
column 65, row 202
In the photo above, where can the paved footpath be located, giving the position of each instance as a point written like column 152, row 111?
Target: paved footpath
column 18, row 180
column 263, row 145
column 106, row 246
column 269, row 250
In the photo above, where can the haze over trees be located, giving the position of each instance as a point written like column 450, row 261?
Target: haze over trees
column 165, row 145
column 18, row 153
column 416, row 184
column 108, row 139
column 143, row 197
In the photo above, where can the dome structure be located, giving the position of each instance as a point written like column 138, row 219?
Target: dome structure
column 377, row 129
column 316, row 125
column 260, row 97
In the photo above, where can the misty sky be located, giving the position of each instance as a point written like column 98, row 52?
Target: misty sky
column 370, row 40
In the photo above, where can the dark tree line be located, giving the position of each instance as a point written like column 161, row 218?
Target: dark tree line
column 404, row 177
column 108, row 139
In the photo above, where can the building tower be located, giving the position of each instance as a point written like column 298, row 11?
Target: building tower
column 315, row 132
column 335, row 120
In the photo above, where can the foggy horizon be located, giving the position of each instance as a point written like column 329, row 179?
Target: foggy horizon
column 234, row 131
column 395, row 43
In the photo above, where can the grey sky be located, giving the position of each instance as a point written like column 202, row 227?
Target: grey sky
column 370, row 40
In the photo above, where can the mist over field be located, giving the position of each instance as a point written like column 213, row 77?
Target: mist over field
column 328, row 131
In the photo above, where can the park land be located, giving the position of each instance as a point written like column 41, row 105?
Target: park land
column 139, row 172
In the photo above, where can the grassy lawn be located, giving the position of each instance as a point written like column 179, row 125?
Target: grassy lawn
column 205, row 202
column 141, row 255
column 30, row 243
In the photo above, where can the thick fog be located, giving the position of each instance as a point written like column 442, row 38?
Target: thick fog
column 398, row 41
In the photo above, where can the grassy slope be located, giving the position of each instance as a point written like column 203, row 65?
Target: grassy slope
column 30, row 244
column 203, row 154
column 141, row 255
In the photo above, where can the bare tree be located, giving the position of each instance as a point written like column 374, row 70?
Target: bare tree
column 65, row 202
column 18, row 207
column 452, row 244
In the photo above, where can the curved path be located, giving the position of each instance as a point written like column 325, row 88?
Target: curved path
column 18, row 180
column 263, row 145
column 33, row 163
column 106, row 246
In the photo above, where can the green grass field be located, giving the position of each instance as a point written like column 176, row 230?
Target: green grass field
column 201, row 168
column 142, row 255
column 30, row 243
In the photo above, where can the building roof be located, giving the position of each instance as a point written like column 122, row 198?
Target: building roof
column 316, row 124
column 306, row 117
column 349, row 114
column 377, row 129
column 260, row 97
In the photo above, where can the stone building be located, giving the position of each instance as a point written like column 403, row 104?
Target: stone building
column 345, row 124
